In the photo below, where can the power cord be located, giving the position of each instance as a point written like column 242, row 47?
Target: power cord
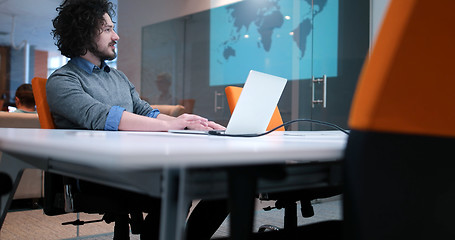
column 282, row 125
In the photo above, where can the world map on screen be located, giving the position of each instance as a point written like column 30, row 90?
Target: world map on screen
column 287, row 38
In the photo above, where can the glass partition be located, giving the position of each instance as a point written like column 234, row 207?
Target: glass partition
column 302, row 41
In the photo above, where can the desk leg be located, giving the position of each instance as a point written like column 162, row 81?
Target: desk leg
column 169, row 204
column 183, row 203
column 14, row 168
column 242, row 188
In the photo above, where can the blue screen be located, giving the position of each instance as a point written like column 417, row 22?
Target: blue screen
column 287, row 38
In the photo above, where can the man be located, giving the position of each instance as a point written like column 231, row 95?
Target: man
column 25, row 102
column 87, row 94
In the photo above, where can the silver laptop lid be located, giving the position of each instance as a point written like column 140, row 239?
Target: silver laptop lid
column 256, row 104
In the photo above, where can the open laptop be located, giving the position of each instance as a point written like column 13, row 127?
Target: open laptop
column 255, row 107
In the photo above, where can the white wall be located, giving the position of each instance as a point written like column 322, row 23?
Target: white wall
column 134, row 14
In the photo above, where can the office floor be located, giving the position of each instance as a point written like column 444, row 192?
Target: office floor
column 33, row 224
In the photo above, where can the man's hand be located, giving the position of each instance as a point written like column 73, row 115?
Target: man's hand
column 195, row 122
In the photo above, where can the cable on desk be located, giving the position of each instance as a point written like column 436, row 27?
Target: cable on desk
column 283, row 125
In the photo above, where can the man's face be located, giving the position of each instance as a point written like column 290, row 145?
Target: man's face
column 106, row 40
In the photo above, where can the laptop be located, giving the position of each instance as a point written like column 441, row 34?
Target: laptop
column 254, row 108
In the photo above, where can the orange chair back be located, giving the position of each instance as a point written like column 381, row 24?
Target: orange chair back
column 44, row 113
column 233, row 94
column 406, row 86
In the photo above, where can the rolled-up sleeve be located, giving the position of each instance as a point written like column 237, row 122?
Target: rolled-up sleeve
column 115, row 115
column 113, row 118
column 154, row 113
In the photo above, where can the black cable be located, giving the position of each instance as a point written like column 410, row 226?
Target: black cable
column 282, row 125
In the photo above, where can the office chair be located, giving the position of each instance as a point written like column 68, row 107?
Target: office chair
column 6, row 185
column 63, row 195
column 399, row 157
column 286, row 200
column 171, row 110
column 42, row 108
column 188, row 104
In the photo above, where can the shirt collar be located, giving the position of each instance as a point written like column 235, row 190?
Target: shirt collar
column 88, row 66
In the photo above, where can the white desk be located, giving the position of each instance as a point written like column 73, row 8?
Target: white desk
column 190, row 166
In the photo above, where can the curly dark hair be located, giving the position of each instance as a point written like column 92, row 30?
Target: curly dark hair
column 25, row 94
column 78, row 23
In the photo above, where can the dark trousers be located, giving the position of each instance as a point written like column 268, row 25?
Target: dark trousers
column 202, row 223
column 206, row 218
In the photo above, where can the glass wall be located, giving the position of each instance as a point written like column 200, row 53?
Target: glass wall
column 190, row 60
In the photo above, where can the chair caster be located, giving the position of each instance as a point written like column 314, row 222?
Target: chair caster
column 267, row 228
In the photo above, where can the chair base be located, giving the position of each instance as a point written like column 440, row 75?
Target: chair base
column 266, row 228
column 330, row 230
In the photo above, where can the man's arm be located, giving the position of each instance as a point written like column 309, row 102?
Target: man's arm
column 134, row 122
